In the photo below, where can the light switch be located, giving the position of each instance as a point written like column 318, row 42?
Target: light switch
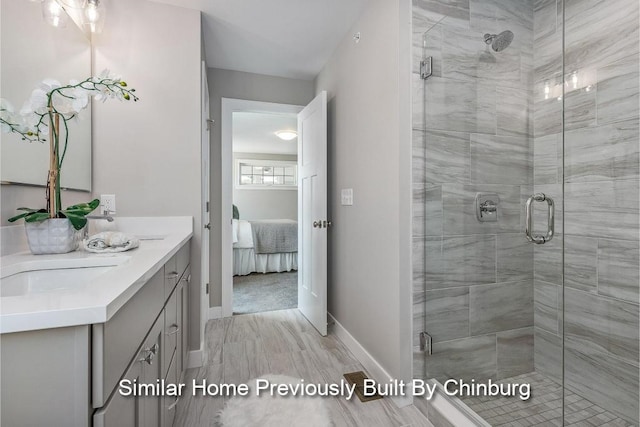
column 347, row 196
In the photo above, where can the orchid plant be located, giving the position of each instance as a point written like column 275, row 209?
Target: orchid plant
column 45, row 117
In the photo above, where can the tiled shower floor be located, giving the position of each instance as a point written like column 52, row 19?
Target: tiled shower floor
column 543, row 408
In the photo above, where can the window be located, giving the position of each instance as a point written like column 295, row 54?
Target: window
column 266, row 175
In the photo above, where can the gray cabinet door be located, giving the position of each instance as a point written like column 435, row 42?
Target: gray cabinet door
column 152, row 372
column 123, row 411
column 171, row 330
column 183, row 320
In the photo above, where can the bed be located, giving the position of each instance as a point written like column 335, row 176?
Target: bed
column 268, row 246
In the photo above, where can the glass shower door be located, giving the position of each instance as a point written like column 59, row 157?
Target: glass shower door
column 528, row 104
column 488, row 125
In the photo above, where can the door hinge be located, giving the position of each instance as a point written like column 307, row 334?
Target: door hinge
column 206, row 207
column 210, row 123
column 207, row 288
column 426, row 343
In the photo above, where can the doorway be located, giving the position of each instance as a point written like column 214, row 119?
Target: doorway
column 259, row 198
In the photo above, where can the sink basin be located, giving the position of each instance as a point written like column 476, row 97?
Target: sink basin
column 53, row 275
column 40, row 281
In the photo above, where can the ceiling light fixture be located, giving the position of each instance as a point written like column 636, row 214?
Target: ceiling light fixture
column 286, row 135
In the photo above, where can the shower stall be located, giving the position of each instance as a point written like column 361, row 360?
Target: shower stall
column 526, row 206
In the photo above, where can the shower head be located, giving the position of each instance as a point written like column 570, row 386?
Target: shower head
column 499, row 42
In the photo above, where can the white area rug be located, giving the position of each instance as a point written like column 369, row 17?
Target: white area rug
column 275, row 411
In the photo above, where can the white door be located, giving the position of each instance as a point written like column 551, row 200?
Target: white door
column 312, row 212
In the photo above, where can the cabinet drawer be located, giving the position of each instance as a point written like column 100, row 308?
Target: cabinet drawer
column 183, row 258
column 175, row 268
column 171, row 331
column 116, row 342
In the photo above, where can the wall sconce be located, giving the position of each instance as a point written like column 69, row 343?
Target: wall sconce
column 87, row 14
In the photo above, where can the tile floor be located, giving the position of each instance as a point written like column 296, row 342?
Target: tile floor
column 283, row 342
column 544, row 407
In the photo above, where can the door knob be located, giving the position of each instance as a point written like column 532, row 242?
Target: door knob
column 317, row 224
column 208, row 226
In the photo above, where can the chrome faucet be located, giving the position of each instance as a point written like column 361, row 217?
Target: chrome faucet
column 105, row 215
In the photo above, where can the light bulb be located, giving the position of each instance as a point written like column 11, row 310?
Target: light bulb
column 54, row 13
column 94, row 13
column 91, row 12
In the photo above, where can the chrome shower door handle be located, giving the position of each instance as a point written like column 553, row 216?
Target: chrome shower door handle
column 540, row 240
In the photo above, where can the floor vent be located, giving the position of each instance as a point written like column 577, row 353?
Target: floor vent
column 358, row 378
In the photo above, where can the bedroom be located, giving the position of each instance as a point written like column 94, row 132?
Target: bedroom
column 265, row 211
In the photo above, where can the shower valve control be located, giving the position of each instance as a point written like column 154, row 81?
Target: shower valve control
column 487, row 207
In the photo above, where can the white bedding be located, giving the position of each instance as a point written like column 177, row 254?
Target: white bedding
column 246, row 261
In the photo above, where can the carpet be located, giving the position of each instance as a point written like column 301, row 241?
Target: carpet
column 275, row 411
column 265, row 292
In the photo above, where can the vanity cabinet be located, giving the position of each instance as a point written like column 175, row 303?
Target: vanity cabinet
column 158, row 356
column 70, row 376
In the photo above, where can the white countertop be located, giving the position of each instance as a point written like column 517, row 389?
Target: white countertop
column 98, row 300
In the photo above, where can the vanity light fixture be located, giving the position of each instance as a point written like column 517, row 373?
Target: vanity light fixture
column 88, row 14
column 54, row 14
column 94, row 13
column 286, row 135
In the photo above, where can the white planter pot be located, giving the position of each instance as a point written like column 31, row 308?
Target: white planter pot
column 52, row 236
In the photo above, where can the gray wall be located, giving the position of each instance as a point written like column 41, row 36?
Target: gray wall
column 147, row 153
column 265, row 204
column 601, row 169
column 254, row 87
column 473, row 281
column 367, row 152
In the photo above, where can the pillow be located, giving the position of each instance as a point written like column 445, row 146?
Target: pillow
column 234, row 233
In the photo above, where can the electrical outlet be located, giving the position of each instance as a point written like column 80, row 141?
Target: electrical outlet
column 108, row 203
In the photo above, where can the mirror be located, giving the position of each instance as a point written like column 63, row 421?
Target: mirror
column 30, row 51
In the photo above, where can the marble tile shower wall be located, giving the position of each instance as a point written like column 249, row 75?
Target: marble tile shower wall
column 473, row 281
column 601, row 170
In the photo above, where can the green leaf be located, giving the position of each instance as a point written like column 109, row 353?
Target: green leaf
column 76, row 213
column 78, row 220
column 36, row 216
column 17, row 217
column 27, row 214
column 87, row 208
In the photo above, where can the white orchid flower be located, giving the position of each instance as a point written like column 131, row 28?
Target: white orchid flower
column 6, row 105
column 49, row 84
column 37, row 103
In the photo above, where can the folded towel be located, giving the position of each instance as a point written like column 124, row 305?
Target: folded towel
column 110, row 241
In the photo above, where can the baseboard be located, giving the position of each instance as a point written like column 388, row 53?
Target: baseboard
column 214, row 313
column 446, row 410
column 195, row 359
column 373, row 368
